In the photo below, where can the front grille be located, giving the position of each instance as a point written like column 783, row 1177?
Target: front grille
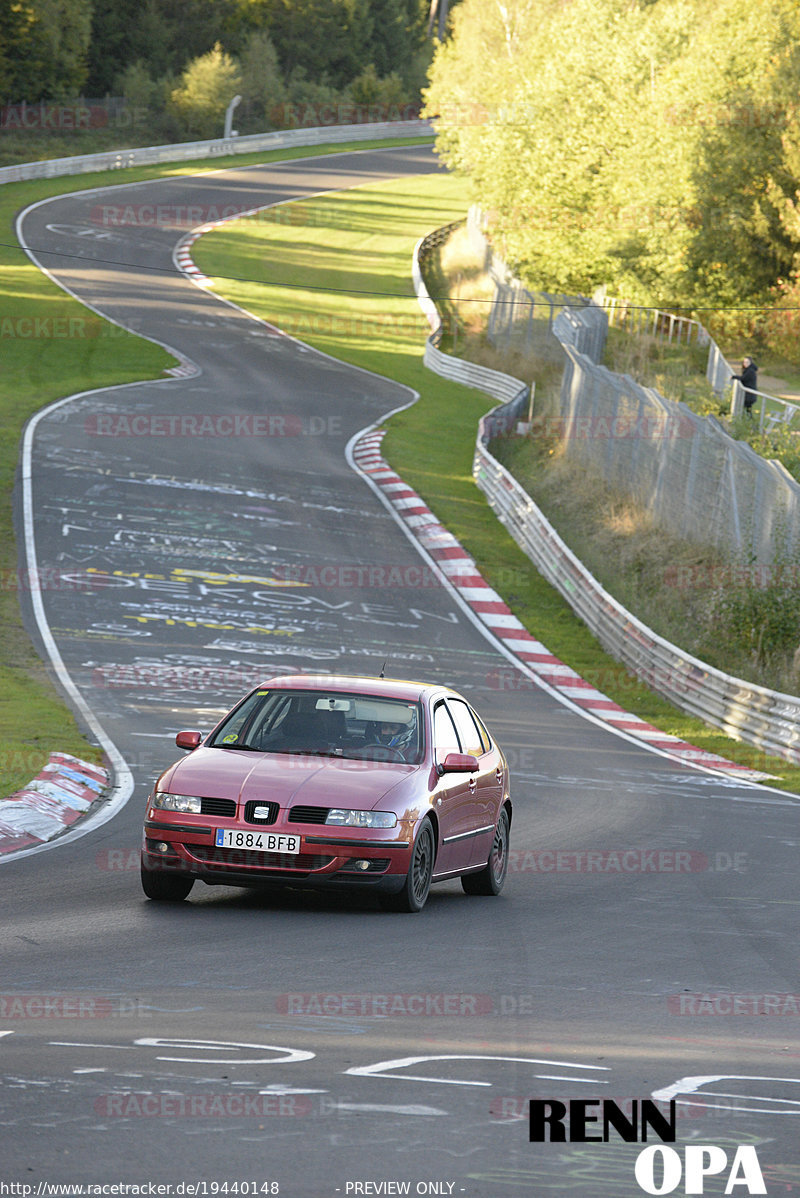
column 308, row 815
column 218, row 807
column 250, row 860
column 269, row 818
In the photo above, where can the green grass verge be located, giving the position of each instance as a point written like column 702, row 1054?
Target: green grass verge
column 311, row 275
column 50, row 347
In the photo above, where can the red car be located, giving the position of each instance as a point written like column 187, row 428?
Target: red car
column 329, row 781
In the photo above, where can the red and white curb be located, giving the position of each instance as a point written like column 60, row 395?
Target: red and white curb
column 58, row 796
column 490, row 608
column 183, row 256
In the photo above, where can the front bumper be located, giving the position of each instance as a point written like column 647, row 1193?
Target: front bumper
column 328, row 857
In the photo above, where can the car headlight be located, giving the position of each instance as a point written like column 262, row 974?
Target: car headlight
column 346, row 818
column 188, row 804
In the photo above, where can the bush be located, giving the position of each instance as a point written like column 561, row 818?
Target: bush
column 207, row 86
column 140, row 91
column 761, row 616
column 368, row 89
column 782, row 443
column 262, row 85
column 782, row 327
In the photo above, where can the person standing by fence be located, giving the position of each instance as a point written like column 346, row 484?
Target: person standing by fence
column 749, row 380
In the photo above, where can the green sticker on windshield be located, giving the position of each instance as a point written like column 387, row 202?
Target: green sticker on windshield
column 230, row 738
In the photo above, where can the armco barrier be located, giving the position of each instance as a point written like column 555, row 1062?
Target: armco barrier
column 766, row 719
column 502, row 386
column 112, row 160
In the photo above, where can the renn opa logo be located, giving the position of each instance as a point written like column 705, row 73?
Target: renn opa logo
column 659, row 1169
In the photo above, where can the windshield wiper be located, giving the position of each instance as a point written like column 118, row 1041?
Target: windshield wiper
column 309, row 752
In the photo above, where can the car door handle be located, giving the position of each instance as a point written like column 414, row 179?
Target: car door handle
column 473, row 783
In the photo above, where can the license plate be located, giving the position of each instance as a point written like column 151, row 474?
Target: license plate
column 265, row 842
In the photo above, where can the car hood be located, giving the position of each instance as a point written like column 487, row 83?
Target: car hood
column 284, row 778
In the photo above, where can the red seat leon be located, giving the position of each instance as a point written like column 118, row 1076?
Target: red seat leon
column 334, row 781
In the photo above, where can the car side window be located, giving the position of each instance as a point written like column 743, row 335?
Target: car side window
column 445, row 739
column 485, row 737
column 468, row 732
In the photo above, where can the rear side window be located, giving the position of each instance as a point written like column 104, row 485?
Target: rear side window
column 468, row 733
column 485, row 737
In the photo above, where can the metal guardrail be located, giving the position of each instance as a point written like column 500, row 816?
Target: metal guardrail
column 767, row 420
column 666, row 325
column 694, row 478
column 111, row 160
column 501, row 386
column 767, row 719
column 511, row 295
column 657, row 322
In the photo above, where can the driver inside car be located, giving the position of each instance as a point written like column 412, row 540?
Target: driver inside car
column 395, row 735
column 392, row 734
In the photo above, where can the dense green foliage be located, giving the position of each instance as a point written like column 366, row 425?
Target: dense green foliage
column 646, row 144
column 58, row 49
column 43, row 48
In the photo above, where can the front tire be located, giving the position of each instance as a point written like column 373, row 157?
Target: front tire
column 414, row 894
column 491, row 878
column 164, row 887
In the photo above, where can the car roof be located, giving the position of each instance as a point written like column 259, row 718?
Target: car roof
column 394, row 688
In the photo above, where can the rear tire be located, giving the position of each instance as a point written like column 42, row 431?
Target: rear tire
column 414, row 894
column 164, row 887
column 491, row 878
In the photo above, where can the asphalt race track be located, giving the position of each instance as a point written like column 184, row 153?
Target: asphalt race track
column 308, row 1045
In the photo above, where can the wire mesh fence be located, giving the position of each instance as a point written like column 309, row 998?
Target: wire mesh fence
column 520, row 320
column 765, row 718
column 692, row 477
column 685, row 470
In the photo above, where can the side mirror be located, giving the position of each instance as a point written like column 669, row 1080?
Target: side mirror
column 459, row 763
column 188, row 740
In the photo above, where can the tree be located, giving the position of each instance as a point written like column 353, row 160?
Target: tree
column 326, row 40
column 162, row 34
column 648, row 144
column 398, row 34
column 262, row 85
column 207, row 86
column 45, row 44
column 745, row 174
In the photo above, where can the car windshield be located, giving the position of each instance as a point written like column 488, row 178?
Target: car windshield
column 329, row 724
